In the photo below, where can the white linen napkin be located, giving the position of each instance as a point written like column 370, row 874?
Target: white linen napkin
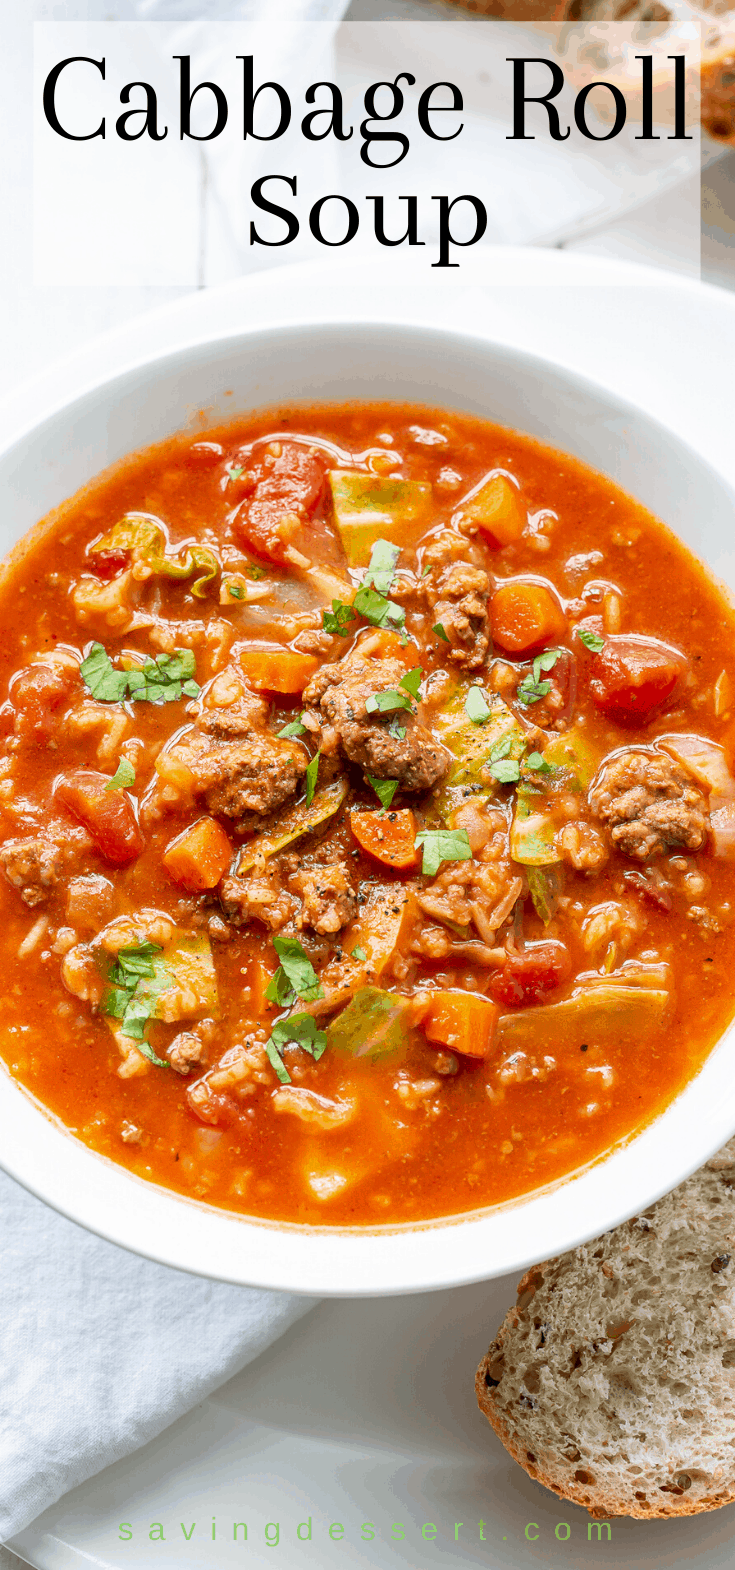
column 101, row 1350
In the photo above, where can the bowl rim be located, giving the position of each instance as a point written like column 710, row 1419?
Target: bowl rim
column 247, row 1251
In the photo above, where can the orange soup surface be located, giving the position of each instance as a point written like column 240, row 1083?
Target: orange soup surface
column 367, row 814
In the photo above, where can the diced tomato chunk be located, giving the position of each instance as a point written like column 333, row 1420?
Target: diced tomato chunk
column 529, row 976
column 107, row 814
column 281, row 501
column 199, row 857
column 633, row 675
column 109, row 564
column 36, row 693
column 463, row 1021
column 557, row 708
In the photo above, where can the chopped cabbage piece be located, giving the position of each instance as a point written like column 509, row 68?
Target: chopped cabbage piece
column 373, row 1024
column 475, row 747
column 144, row 538
column 629, row 1004
column 292, row 825
column 369, row 507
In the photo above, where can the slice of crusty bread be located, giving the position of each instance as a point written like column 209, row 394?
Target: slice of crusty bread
column 612, row 1381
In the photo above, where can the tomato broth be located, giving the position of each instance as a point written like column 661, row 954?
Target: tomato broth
column 366, row 814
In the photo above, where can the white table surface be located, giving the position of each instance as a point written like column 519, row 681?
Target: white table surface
column 39, row 325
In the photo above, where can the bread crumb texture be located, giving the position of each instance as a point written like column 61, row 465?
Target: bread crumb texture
column 612, row 1380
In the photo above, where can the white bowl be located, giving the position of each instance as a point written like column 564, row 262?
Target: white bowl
column 157, row 396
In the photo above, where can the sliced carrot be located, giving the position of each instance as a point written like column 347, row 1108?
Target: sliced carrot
column 496, row 508
column 199, row 857
column 270, row 669
column 525, row 615
column 390, row 837
column 259, row 977
column 463, row 1021
column 382, row 644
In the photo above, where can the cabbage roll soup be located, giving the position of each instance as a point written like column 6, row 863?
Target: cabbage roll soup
column 367, row 814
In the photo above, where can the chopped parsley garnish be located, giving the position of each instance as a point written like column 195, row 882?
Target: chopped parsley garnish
column 384, row 789
column 396, row 729
column 123, row 777
column 501, row 748
column 506, row 770
column 147, row 1051
column 294, row 728
column 105, row 684
column 475, row 706
column 538, row 764
column 425, row 571
column 591, row 640
column 532, row 688
column 376, row 609
column 545, row 662
column 311, row 775
column 359, row 954
column 163, row 680
column 233, row 471
column 381, row 571
column 276, row 1061
column 295, row 977
column 279, row 989
column 236, row 590
column 412, row 681
column 256, row 572
column 302, row 1031
column 530, row 691
column 387, row 702
column 138, row 977
column 442, row 845
column 337, row 620
column 439, row 630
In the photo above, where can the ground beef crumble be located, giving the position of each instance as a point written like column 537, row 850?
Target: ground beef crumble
column 649, row 803
column 329, row 901
column 239, row 765
column 457, row 597
column 32, row 866
column 394, row 747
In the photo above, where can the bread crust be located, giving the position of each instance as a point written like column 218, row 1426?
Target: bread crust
column 718, row 90
column 718, row 51
column 515, row 10
column 612, row 1379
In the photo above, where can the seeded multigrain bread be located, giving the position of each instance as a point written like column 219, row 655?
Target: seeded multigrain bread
column 612, row 1381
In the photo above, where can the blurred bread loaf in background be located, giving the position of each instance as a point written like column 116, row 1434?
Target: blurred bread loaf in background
column 612, row 1380
column 658, row 21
